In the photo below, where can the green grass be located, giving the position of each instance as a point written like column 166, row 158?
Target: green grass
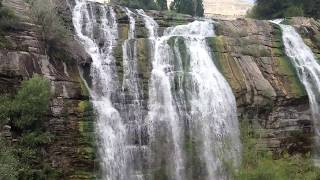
column 260, row 164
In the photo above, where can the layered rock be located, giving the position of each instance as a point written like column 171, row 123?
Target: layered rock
column 70, row 121
column 310, row 31
column 249, row 53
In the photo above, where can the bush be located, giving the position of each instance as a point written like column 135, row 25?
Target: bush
column 8, row 162
column 8, row 19
column 191, row 7
column 137, row 4
column 36, row 139
column 260, row 164
column 26, row 110
column 271, row 9
column 31, row 103
column 45, row 13
column 5, row 110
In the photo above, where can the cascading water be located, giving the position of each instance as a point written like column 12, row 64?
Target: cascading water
column 308, row 70
column 193, row 82
column 151, row 24
column 133, row 111
column 191, row 126
column 110, row 128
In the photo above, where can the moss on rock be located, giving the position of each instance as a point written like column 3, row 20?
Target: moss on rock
column 292, row 83
column 144, row 64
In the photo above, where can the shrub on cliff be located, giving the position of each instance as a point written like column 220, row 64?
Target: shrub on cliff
column 8, row 19
column 26, row 112
column 28, row 107
column 137, row 4
column 192, row 7
column 260, row 164
column 162, row 4
column 54, row 32
column 271, row 9
column 8, row 162
column 32, row 101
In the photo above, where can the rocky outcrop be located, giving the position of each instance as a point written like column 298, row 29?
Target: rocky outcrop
column 70, row 121
column 310, row 31
column 249, row 53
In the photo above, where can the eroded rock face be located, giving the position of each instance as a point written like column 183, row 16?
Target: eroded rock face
column 310, row 31
column 249, row 53
column 70, row 120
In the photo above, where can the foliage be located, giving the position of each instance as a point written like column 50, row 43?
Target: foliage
column 162, row 4
column 192, row 7
column 137, row 4
column 45, row 13
column 311, row 8
column 31, row 103
column 29, row 106
column 5, row 111
column 271, row 9
column 26, row 112
column 8, row 19
column 36, row 139
column 260, row 164
column 183, row 6
column 8, row 162
column 199, row 8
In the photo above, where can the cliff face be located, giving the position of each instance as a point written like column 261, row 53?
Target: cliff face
column 22, row 55
column 249, row 53
column 251, row 56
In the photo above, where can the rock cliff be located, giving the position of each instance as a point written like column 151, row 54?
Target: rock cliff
column 249, row 53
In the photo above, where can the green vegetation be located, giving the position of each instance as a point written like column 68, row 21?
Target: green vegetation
column 28, row 107
column 26, row 112
column 8, row 22
column 8, row 162
column 271, row 9
column 54, row 32
column 140, row 4
column 162, row 4
column 192, row 7
column 261, row 164
column 8, row 19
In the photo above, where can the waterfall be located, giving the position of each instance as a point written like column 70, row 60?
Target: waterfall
column 151, row 24
column 189, row 126
column 133, row 112
column 212, row 118
column 308, row 70
column 98, row 35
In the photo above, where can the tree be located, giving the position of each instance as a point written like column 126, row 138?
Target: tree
column 137, row 4
column 8, row 19
column 45, row 13
column 29, row 106
column 199, row 11
column 8, row 162
column 26, row 112
column 311, row 8
column 163, row 4
column 271, row 9
column 184, row 6
column 192, row 7
column 32, row 101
